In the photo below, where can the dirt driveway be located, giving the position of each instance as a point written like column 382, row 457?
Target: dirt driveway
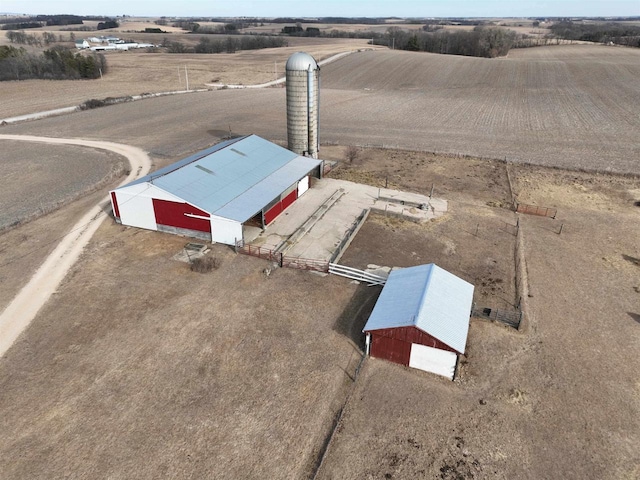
column 25, row 306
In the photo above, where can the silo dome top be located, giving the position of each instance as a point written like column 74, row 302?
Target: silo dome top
column 301, row 61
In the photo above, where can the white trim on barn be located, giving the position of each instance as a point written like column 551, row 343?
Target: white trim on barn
column 434, row 360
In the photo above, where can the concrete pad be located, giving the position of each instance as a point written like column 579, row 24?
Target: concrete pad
column 325, row 236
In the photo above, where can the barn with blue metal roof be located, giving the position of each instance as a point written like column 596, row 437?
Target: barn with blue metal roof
column 421, row 319
column 214, row 193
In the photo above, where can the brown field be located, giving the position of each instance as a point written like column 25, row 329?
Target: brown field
column 56, row 174
column 136, row 72
column 567, row 106
column 276, row 28
column 139, row 368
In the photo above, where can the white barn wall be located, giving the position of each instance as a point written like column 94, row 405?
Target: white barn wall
column 136, row 210
column 135, row 204
column 225, row 231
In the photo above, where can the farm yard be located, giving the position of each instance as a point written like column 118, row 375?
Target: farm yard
column 234, row 373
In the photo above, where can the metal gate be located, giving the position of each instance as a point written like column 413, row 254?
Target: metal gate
column 510, row 318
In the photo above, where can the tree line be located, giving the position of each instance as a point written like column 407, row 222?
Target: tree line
column 47, row 38
column 57, row 63
column 618, row 33
column 227, row 45
column 486, row 42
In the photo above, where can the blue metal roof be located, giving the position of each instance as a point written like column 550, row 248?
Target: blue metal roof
column 183, row 162
column 234, row 179
column 245, row 206
column 429, row 298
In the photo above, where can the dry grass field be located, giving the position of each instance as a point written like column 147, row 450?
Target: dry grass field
column 561, row 400
column 230, row 374
column 233, row 374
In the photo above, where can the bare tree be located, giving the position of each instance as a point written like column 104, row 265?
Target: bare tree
column 352, row 153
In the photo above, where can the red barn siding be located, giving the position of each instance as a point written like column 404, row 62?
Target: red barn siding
column 172, row 214
column 289, row 199
column 391, row 349
column 413, row 335
column 271, row 214
column 114, row 202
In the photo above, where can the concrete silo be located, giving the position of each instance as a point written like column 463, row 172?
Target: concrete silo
column 303, row 104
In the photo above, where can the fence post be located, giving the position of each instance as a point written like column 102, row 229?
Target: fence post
column 281, row 259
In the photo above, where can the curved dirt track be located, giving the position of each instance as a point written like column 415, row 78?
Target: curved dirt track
column 24, row 307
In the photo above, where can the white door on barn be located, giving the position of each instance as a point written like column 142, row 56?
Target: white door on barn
column 303, row 186
column 433, row 360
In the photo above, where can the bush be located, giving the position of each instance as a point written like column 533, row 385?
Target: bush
column 205, row 264
column 91, row 104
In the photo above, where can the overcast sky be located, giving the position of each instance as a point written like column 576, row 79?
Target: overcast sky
column 324, row 8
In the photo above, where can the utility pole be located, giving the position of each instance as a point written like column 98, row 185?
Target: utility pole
column 186, row 76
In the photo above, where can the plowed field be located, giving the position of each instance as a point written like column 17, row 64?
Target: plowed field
column 568, row 106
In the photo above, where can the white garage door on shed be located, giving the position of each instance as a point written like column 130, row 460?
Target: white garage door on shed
column 433, row 360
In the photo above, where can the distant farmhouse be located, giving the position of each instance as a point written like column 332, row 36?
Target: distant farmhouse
column 98, row 44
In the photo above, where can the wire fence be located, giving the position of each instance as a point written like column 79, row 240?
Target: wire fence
column 535, row 210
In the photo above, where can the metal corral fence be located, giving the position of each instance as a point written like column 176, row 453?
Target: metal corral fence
column 280, row 259
column 535, row 210
column 355, row 274
column 506, row 317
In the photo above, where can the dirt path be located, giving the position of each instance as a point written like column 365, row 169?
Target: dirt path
column 24, row 307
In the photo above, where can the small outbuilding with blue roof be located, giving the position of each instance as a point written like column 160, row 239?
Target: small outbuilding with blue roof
column 421, row 319
column 211, row 195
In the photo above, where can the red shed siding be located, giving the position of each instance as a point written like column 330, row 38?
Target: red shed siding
column 172, row 214
column 114, row 202
column 391, row 349
column 413, row 335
